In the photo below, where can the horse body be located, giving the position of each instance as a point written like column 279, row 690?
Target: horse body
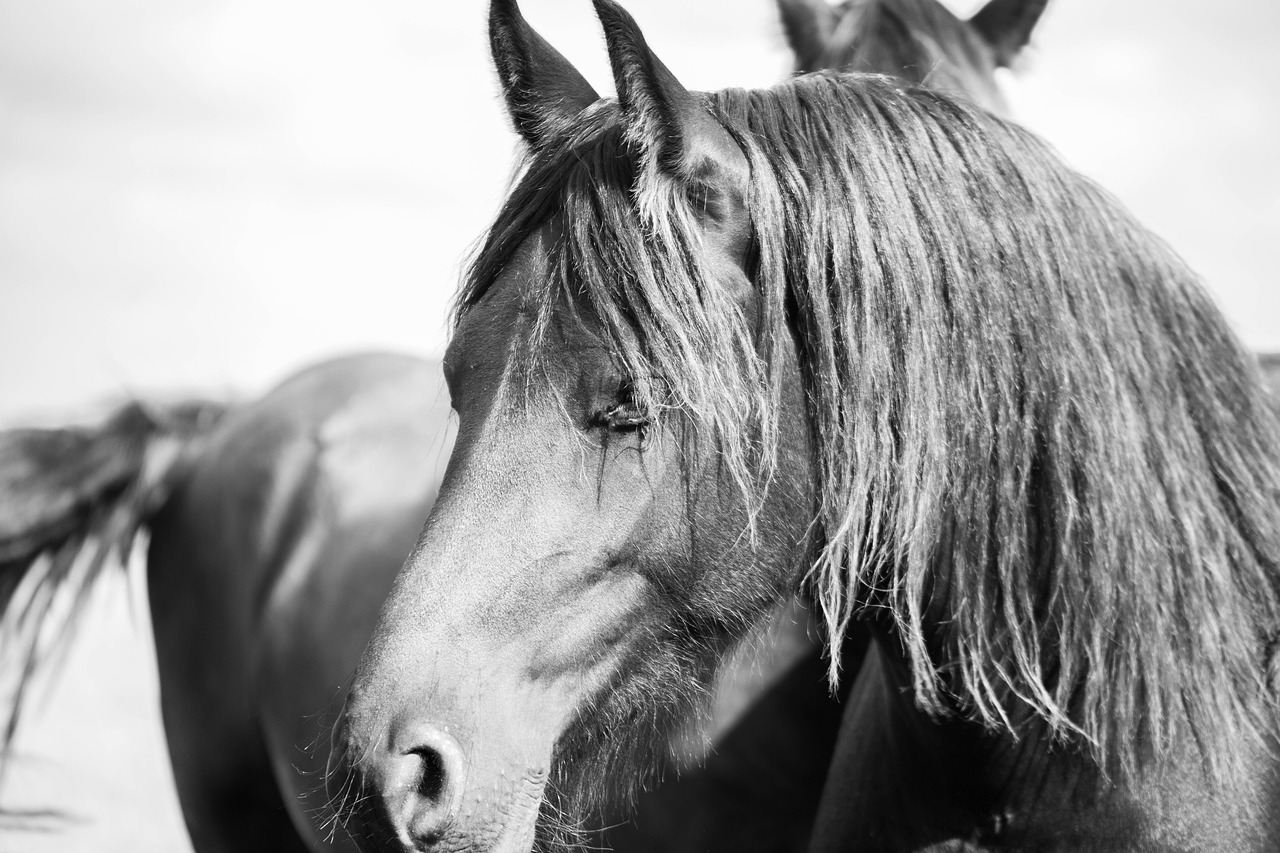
column 855, row 337
column 265, row 570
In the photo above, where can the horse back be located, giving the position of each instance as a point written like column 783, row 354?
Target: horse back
column 267, row 571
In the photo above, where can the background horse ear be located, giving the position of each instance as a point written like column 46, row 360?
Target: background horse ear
column 674, row 133
column 1006, row 25
column 809, row 25
column 544, row 92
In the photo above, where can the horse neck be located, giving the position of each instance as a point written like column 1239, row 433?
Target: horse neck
column 904, row 779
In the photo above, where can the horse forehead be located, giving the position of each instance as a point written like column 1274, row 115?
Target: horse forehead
column 952, row 43
column 929, row 17
column 508, row 307
column 506, row 332
column 483, row 346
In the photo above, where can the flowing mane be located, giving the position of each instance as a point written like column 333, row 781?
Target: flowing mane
column 1041, row 454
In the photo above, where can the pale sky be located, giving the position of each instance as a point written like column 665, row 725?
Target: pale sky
column 205, row 195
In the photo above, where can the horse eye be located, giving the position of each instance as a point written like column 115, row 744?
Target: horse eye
column 624, row 415
column 625, row 419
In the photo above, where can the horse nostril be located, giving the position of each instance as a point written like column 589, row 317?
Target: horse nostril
column 432, row 770
column 432, row 780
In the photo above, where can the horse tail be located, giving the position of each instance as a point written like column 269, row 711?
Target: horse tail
column 69, row 498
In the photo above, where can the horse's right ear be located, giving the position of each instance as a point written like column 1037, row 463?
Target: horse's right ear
column 1006, row 25
column 809, row 25
column 544, row 92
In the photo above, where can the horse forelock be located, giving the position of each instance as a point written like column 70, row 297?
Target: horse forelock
column 1040, row 450
column 625, row 257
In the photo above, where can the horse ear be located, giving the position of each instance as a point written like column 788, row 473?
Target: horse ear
column 809, row 25
column 1006, row 25
column 544, row 92
column 674, row 133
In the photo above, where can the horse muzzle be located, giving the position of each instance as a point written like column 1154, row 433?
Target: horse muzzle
column 422, row 786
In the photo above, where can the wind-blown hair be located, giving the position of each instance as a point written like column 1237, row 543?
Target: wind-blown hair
column 1041, row 454
column 606, row 269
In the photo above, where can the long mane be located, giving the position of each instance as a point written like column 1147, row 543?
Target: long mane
column 1042, row 455
column 1042, row 451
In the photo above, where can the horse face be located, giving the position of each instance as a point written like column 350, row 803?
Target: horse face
column 589, row 560
column 583, row 571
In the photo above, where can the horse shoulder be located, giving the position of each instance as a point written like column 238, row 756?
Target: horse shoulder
column 374, row 470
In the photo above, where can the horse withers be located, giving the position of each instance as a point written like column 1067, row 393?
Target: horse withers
column 854, row 336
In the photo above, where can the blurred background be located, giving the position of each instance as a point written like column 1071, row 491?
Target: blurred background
column 203, row 195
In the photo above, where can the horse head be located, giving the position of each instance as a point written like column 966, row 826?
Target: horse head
column 603, row 534
column 919, row 40
column 846, row 330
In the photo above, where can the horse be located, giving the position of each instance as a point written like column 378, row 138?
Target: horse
column 276, row 528
column 921, row 40
column 854, row 336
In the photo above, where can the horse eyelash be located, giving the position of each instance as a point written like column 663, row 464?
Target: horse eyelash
column 623, row 418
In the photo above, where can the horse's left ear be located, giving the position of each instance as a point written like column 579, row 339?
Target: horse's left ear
column 1006, row 25
column 673, row 131
column 544, row 92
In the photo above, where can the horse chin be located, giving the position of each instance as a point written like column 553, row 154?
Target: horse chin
column 620, row 742
column 517, row 830
column 509, row 824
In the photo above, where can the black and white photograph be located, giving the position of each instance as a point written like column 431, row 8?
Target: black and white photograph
column 649, row 426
